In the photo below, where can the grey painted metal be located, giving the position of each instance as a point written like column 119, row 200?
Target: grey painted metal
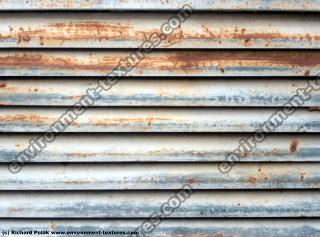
column 156, row 120
column 80, row 148
column 179, row 115
column 136, row 204
column 212, row 227
column 121, row 30
column 208, row 5
column 160, row 63
column 160, row 176
column 157, row 92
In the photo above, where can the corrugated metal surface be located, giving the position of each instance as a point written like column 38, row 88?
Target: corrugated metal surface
column 156, row 5
column 169, row 122
column 98, row 30
column 161, row 63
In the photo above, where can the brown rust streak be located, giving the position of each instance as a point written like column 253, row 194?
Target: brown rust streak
column 98, row 30
column 236, row 34
column 178, row 61
column 302, row 176
column 27, row 60
column 32, row 118
column 190, row 181
column 294, row 146
column 123, row 121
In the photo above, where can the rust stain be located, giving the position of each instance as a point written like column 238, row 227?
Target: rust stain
column 302, row 176
column 99, row 30
column 32, row 118
column 52, row 225
column 3, row 85
column 294, row 146
column 179, row 61
column 252, row 180
column 190, row 181
column 307, row 73
column 122, row 121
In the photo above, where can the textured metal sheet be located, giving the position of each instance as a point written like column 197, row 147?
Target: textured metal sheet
column 159, row 92
column 162, row 148
column 160, row 177
column 155, row 120
column 135, row 204
column 79, row 30
column 173, row 228
column 161, row 63
column 234, row 5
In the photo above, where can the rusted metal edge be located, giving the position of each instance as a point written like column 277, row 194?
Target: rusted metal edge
column 157, row 120
column 160, row 63
column 160, row 176
column 163, row 148
column 233, row 5
column 183, row 228
column 129, row 204
column 156, row 92
column 87, row 30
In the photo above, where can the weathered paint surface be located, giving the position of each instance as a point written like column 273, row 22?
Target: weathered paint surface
column 161, row 63
column 190, row 228
column 109, row 30
column 183, row 109
column 135, row 204
column 157, row 92
column 233, row 5
column 163, row 148
column 160, row 176
column 156, row 120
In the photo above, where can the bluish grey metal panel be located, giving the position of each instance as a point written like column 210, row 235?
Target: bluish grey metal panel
column 156, row 120
column 161, row 63
column 160, row 176
column 135, row 204
column 159, row 92
column 184, row 86
column 163, row 148
column 211, row 227
column 87, row 30
column 234, row 5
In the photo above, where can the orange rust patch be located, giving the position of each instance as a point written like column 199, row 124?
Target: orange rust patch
column 302, row 176
column 33, row 118
column 307, row 73
column 127, row 120
column 52, row 225
column 294, row 146
column 180, row 61
column 3, row 85
column 252, row 180
column 190, row 181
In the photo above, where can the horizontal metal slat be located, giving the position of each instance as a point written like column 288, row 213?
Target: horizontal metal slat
column 160, row 63
column 160, row 176
column 79, row 30
column 234, row 5
column 163, row 148
column 155, row 120
column 142, row 204
column 212, row 227
column 156, row 92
